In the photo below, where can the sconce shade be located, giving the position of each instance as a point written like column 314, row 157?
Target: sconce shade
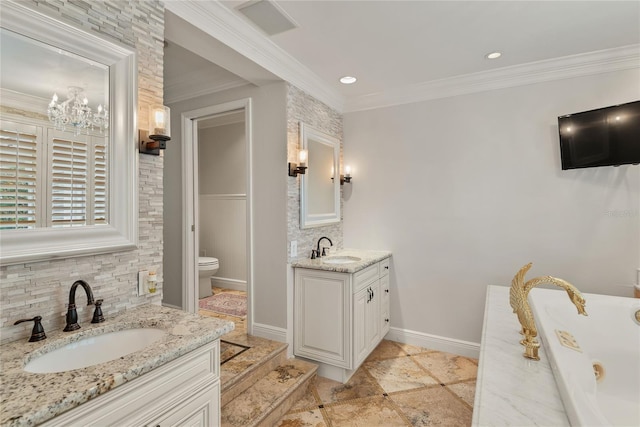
column 160, row 121
column 294, row 169
column 347, row 175
column 159, row 131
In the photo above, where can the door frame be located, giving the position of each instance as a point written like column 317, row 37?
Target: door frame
column 190, row 202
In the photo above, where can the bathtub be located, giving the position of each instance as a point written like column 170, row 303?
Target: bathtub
column 607, row 341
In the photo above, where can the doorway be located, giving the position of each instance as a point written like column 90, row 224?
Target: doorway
column 217, row 217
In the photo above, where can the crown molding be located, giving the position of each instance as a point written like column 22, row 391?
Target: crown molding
column 221, row 23
column 603, row 61
column 22, row 101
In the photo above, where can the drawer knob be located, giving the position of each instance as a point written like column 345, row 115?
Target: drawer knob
column 386, row 267
column 386, row 290
column 386, row 320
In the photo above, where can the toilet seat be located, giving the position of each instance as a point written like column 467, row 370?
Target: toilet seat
column 207, row 262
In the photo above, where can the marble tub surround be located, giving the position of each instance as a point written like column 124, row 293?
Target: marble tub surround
column 512, row 390
column 29, row 399
column 367, row 258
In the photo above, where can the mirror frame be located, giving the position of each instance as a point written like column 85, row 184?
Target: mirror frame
column 308, row 220
column 121, row 233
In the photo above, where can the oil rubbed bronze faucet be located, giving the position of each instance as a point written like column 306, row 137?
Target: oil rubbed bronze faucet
column 72, row 314
column 518, row 300
column 323, row 253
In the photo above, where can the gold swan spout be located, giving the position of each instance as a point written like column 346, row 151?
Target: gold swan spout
column 518, row 300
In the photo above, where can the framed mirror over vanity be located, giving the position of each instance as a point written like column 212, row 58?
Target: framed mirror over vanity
column 67, row 119
column 320, row 185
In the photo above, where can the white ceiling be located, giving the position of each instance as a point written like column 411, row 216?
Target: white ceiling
column 400, row 45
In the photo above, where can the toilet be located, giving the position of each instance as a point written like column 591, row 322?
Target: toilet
column 207, row 267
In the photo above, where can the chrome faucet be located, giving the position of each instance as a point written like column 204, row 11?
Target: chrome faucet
column 72, row 314
column 323, row 253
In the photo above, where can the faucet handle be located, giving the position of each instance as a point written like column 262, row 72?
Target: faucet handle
column 324, row 251
column 313, row 254
column 98, row 317
column 37, row 333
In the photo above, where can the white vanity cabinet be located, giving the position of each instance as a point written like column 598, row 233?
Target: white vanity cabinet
column 183, row 392
column 339, row 318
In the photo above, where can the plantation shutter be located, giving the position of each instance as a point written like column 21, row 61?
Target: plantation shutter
column 20, row 178
column 68, row 180
column 100, row 190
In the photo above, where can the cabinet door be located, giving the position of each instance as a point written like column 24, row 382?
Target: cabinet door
column 384, row 306
column 372, row 317
column 361, row 302
column 200, row 410
column 366, row 321
column 322, row 313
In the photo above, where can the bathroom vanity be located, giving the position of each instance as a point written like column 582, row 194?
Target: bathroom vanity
column 341, row 309
column 173, row 381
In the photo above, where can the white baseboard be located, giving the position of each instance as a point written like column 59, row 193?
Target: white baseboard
column 269, row 332
column 233, row 284
column 434, row 342
column 165, row 304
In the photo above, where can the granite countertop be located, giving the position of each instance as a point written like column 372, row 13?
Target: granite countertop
column 367, row 258
column 510, row 389
column 30, row 399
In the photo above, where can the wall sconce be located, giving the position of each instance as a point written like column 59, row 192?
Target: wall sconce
column 301, row 166
column 154, row 139
column 347, row 176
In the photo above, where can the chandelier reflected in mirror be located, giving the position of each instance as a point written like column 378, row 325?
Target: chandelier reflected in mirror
column 76, row 113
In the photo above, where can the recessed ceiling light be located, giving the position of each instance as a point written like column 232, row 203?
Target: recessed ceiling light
column 347, row 80
column 493, row 55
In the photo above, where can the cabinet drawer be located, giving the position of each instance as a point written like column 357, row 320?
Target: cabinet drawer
column 384, row 267
column 365, row 277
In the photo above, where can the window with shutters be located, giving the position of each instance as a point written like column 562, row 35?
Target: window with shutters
column 21, row 198
column 51, row 178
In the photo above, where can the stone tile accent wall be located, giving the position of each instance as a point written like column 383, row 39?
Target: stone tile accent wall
column 42, row 288
column 305, row 108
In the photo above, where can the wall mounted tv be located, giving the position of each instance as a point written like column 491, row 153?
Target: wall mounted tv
column 604, row 137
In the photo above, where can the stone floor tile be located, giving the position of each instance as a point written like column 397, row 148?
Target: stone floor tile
column 311, row 418
column 432, row 406
column 370, row 412
column 386, row 350
column 361, row 384
column 466, row 391
column 412, row 349
column 307, row 402
column 447, row 367
column 399, row 374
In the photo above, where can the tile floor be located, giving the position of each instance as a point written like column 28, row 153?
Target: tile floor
column 398, row 385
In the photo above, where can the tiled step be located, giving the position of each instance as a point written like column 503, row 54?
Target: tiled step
column 265, row 402
column 245, row 369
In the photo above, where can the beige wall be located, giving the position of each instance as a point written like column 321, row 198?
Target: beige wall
column 222, row 167
column 42, row 288
column 466, row 190
column 268, row 198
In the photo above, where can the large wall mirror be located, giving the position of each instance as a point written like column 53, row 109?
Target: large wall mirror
column 320, row 185
column 68, row 170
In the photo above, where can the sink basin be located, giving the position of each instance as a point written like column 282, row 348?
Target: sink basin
column 341, row 259
column 94, row 350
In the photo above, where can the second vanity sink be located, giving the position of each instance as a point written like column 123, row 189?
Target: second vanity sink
column 341, row 259
column 94, row 350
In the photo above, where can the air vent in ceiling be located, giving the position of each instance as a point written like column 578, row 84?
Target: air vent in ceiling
column 267, row 16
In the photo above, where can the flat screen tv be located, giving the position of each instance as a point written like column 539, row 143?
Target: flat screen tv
column 604, row 137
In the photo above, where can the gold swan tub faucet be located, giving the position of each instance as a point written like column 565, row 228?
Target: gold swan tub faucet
column 518, row 300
